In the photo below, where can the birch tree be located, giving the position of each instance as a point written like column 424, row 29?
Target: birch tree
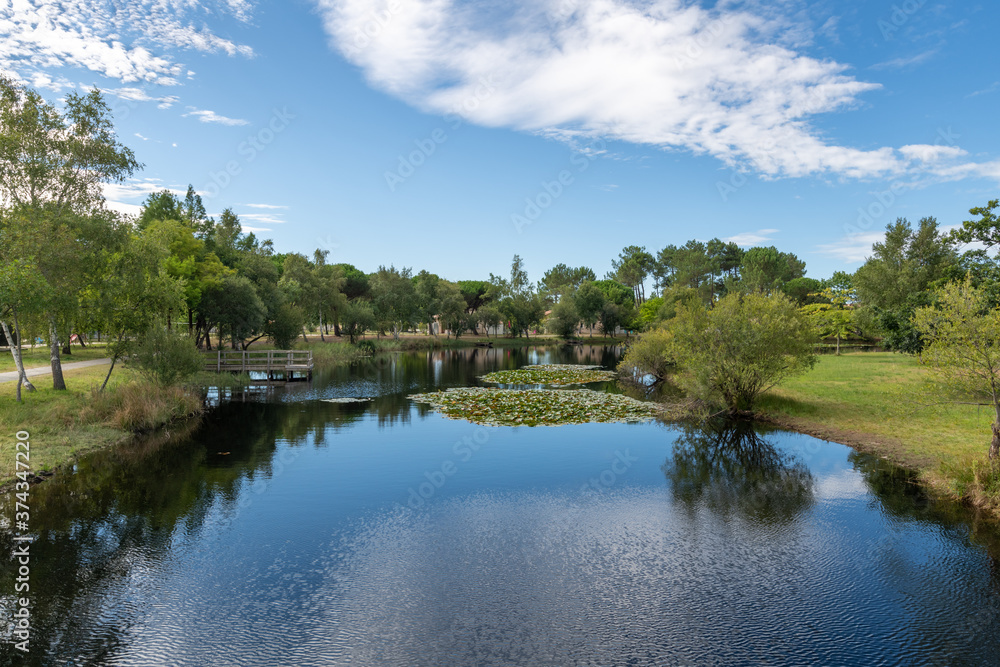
column 54, row 163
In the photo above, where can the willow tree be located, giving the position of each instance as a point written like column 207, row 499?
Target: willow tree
column 53, row 164
column 962, row 336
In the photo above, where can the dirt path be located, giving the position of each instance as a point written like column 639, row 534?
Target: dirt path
column 11, row 376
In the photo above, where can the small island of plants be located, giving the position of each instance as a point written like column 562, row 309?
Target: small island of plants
column 556, row 375
column 536, row 407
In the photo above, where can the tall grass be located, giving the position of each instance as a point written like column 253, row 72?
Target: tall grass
column 140, row 406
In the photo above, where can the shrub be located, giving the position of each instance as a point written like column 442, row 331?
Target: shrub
column 141, row 406
column 164, row 357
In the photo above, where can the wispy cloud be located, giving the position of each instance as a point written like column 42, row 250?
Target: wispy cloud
column 207, row 116
column 723, row 81
column 992, row 88
column 129, row 41
column 265, row 206
column 852, row 249
column 752, row 238
column 141, row 95
column 901, row 63
column 265, row 218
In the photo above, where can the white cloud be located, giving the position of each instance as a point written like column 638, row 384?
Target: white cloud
column 752, row 238
column 267, row 219
column 723, row 81
column 207, row 116
column 141, row 95
column 266, row 206
column 142, row 137
column 130, row 41
column 852, row 249
column 901, row 63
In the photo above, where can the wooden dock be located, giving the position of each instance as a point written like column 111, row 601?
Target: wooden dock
column 286, row 365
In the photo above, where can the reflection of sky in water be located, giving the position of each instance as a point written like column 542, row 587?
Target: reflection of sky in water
column 540, row 547
column 311, row 570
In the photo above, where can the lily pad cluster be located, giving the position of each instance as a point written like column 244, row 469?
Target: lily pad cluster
column 535, row 407
column 556, row 375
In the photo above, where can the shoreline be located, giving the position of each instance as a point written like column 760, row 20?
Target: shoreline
column 778, row 410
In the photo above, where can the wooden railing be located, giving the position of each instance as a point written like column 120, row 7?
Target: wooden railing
column 259, row 360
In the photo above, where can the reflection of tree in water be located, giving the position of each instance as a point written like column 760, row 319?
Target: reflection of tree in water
column 904, row 497
column 730, row 468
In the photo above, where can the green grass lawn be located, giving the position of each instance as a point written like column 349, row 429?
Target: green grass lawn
column 39, row 356
column 891, row 403
column 52, row 419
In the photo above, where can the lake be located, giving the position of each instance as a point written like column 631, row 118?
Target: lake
column 289, row 529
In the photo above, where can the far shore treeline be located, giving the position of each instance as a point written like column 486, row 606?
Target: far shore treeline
column 73, row 270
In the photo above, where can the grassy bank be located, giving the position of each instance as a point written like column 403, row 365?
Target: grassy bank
column 65, row 424
column 888, row 404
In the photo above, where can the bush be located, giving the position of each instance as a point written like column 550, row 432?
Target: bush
column 652, row 354
column 164, row 357
column 563, row 319
column 141, row 406
column 730, row 354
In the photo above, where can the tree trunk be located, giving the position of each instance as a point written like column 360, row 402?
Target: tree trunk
column 79, row 338
column 114, row 360
column 995, row 444
column 321, row 337
column 58, row 383
column 304, row 333
column 15, row 351
column 336, row 328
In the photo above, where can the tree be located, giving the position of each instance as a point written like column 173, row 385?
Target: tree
column 561, row 280
column 426, row 285
column 589, row 302
column 162, row 205
column 985, row 230
column 741, row 347
column 491, row 318
column 962, row 334
column 768, row 269
column 53, row 165
column 134, row 296
column 394, row 298
column 631, row 268
column 564, row 319
column 233, row 305
column 23, row 290
column 899, row 277
column 451, row 308
column 830, row 321
column 804, row 291
column 356, row 317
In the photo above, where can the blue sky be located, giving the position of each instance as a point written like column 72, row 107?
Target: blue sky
column 451, row 134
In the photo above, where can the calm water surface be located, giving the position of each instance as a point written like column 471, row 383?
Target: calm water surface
column 292, row 530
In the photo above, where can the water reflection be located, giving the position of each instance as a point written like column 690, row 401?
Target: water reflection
column 273, row 534
column 730, row 467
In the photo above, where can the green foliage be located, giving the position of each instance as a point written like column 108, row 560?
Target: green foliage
column 233, row 306
column 768, row 269
column 394, row 299
column 985, row 230
column 284, row 326
column 355, row 281
column 356, row 317
column 649, row 311
column 899, row 277
column 562, row 280
column 564, row 318
column 732, row 353
column 652, row 354
column 165, row 357
column 589, row 301
column 962, row 331
column 804, row 291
